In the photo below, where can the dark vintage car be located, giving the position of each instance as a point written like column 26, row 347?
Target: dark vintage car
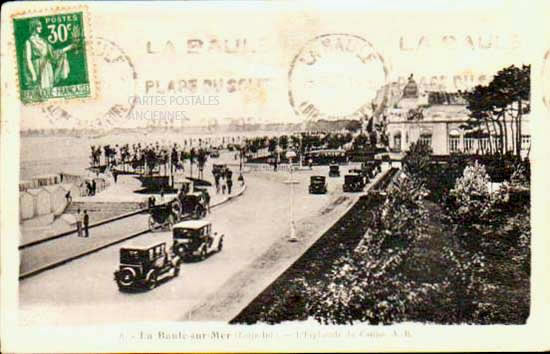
column 353, row 183
column 195, row 238
column 164, row 216
column 334, row 171
column 192, row 205
column 142, row 266
column 317, row 184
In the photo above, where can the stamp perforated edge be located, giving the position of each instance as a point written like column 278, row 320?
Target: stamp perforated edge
column 90, row 54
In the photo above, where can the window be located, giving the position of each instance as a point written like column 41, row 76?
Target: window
column 397, row 142
column 425, row 139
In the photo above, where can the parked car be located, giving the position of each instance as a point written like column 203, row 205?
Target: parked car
column 195, row 238
column 334, row 171
column 142, row 266
column 317, row 184
column 353, row 183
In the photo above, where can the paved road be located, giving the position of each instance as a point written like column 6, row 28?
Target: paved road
column 83, row 291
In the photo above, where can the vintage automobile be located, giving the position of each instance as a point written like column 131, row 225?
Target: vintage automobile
column 317, row 184
column 353, row 183
column 163, row 216
column 334, row 171
column 192, row 205
column 195, row 238
column 143, row 265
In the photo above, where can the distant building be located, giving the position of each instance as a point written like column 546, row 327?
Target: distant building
column 436, row 119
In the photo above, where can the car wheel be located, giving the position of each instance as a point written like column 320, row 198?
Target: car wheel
column 220, row 245
column 203, row 253
column 151, row 280
column 180, row 250
column 176, row 271
column 126, row 277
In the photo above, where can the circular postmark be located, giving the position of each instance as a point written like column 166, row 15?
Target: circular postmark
column 336, row 76
column 546, row 79
column 117, row 84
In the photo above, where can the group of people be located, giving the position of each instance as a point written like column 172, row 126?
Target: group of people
column 91, row 187
column 82, row 223
column 223, row 179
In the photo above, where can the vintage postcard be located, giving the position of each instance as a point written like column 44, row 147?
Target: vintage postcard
column 257, row 176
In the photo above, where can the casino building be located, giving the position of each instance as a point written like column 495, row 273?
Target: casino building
column 436, row 119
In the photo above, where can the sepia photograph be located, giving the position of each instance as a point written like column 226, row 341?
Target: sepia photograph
column 274, row 176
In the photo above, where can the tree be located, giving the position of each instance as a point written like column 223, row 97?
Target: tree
column 417, row 163
column 508, row 94
column 283, row 142
column 511, row 87
column 272, row 144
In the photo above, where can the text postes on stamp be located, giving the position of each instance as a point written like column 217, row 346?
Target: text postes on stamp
column 51, row 57
column 329, row 65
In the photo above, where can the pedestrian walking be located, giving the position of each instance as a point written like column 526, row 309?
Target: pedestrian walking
column 88, row 188
column 86, row 222
column 115, row 175
column 229, row 185
column 224, row 186
column 68, row 197
column 94, row 187
column 206, row 197
column 217, row 182
column 310, row 163
column 241, row 179
column 78, row 218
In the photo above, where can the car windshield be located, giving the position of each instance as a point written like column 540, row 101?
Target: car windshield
column 185, row 233
column 130, row 256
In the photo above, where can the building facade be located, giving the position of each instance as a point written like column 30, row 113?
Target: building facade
column 438, row 119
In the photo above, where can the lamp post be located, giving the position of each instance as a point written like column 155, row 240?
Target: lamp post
column 290, row 155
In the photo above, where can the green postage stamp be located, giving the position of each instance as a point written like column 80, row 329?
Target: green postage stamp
column 52, row 57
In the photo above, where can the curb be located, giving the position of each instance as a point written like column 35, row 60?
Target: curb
column 111, row 243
